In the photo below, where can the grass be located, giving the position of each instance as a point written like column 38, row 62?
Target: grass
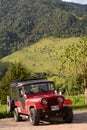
column 43, row 55
column 3, row 112
column 78, row 102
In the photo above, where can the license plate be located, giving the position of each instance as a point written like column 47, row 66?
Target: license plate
column 54, row 108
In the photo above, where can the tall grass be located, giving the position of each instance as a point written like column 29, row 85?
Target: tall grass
column 78, row 101
column 3, row 111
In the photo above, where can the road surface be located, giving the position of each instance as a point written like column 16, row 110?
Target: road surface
column 79, row 123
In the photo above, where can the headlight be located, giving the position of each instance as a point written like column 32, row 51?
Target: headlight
column 44, row 101
column 60, row 99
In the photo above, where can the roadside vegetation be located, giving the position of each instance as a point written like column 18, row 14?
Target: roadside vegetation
column 3, row 111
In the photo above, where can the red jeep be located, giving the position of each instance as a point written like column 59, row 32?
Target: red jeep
column 38, row 100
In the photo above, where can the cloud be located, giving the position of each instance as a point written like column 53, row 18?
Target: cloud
column 77, row 1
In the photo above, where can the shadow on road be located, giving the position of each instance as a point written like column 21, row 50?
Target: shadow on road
column 80, row 117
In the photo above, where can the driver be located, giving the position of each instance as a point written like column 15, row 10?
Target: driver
column 23, row 93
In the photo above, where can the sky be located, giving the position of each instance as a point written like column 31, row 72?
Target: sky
column 77, row 1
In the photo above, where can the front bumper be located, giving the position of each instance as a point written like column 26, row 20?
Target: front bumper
column 58, row 113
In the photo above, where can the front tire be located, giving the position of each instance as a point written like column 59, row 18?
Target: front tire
column 68, row 117
column 34, row 117
column 17, row 115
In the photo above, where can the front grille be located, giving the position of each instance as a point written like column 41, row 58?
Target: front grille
column 52, row 101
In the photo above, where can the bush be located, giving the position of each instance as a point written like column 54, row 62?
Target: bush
column 3, row 112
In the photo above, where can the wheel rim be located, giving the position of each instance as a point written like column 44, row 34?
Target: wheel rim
column 15, row 115
column 31, row 117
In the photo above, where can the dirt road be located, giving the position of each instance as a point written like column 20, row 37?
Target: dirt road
column 79, row 123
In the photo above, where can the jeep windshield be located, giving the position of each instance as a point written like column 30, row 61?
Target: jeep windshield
column 39, row 87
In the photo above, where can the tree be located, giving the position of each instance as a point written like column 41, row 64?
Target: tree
column 75, row 59
column 16, row 71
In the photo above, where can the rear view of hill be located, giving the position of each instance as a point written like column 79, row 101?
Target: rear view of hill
column 23, row 22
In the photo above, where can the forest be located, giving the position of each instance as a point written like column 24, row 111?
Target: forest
column 24, row 22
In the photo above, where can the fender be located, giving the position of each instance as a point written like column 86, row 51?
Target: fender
column 67, row 102
column 35, row 105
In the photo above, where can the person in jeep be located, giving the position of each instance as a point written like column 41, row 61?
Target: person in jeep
column 38, row 99
column 22, row 93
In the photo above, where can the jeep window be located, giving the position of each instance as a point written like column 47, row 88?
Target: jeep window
column 39, row 87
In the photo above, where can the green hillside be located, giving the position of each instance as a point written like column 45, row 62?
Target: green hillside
column 24, row 22
column 42, row 56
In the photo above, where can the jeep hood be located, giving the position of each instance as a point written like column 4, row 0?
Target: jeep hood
column 39, row 97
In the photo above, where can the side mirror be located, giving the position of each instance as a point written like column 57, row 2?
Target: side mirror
column 61, row 91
